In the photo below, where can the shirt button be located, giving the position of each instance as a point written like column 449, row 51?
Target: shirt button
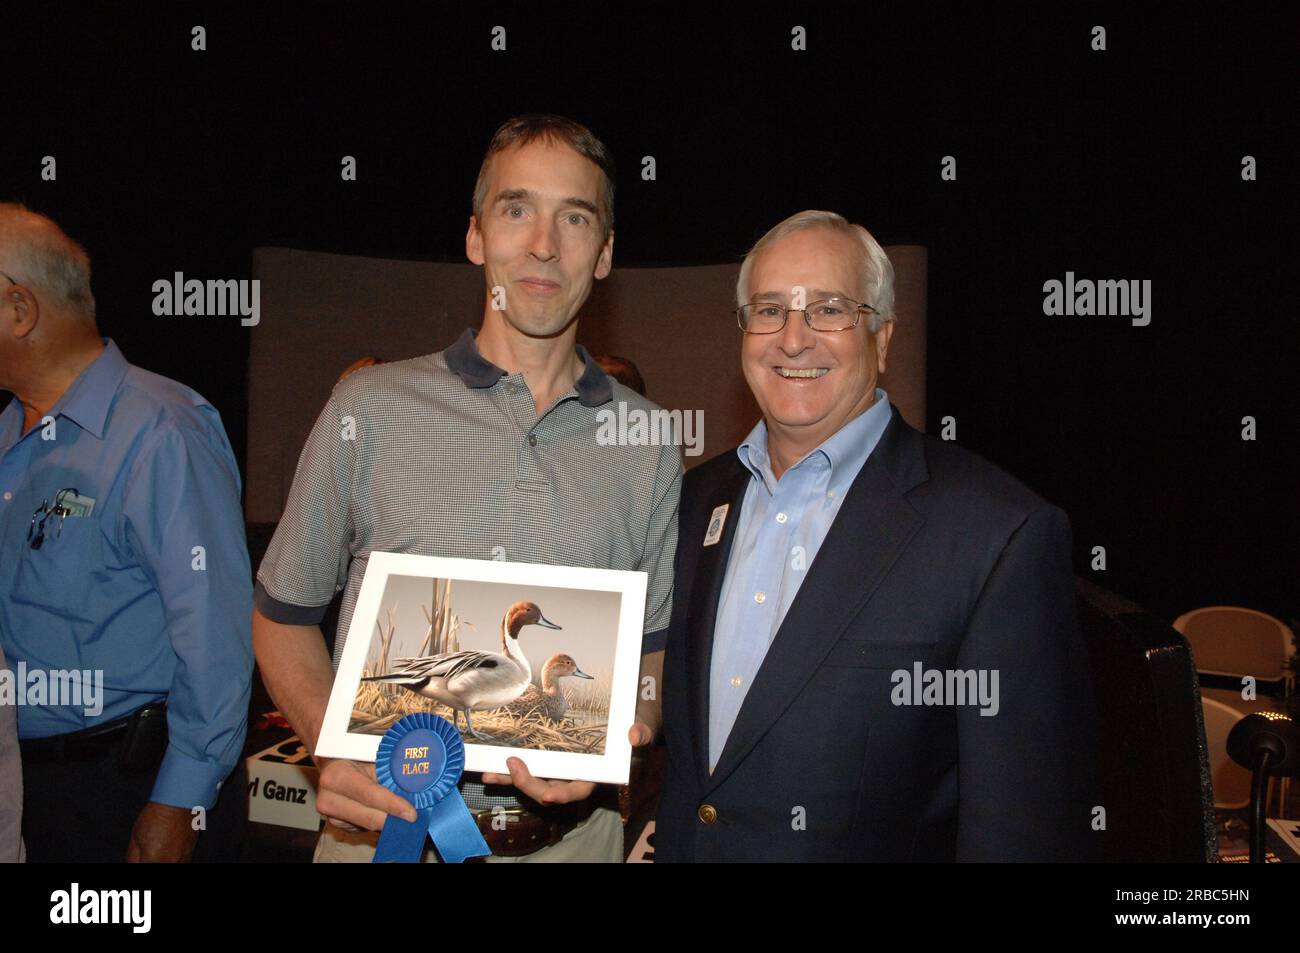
column 781, row 517
column 760, row 598
column 532, row 440
column 830, row 492
column 735, row 681
column 8, row 496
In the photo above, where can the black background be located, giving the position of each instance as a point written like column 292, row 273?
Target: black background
column 1122, row 164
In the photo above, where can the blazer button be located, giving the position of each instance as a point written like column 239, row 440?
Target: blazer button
column 707, row 813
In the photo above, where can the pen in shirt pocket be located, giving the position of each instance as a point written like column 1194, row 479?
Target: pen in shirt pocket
column 67, row 502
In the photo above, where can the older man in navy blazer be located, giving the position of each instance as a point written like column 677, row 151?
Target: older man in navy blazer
column 873, row 652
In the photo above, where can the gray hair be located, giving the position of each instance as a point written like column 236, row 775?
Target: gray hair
column 42, row 256
column 878, row 273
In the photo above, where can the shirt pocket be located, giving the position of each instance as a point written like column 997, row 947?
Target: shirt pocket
column 60, row 576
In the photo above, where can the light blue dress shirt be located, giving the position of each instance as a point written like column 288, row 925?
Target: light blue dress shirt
column 780, row 528
column 152, row 586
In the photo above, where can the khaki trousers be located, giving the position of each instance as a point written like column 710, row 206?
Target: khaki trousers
column 597, row 840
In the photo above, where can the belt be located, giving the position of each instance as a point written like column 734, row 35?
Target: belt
column 88, row 744
column 518, row 831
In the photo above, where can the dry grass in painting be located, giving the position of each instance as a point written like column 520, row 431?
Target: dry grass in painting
column 589, row 695
column 378, row 707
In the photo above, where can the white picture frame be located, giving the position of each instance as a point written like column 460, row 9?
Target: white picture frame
column 593, row 601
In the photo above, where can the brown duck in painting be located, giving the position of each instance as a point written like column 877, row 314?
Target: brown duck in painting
column 549, row 700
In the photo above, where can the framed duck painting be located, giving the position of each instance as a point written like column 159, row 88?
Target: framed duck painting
column 533, row 661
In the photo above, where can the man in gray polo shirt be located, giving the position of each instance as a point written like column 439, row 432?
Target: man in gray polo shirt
column 485, row 450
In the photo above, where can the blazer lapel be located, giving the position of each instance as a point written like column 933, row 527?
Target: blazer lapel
column 710, row 569
column 874, row 524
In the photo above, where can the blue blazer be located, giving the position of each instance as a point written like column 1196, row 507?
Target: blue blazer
column 936, row 557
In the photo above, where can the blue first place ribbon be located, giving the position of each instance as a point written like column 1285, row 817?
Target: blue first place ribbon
column 421, row 758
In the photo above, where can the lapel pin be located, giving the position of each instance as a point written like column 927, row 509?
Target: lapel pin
column 716, row 522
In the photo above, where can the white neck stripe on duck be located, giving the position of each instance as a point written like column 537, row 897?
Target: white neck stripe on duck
column 511, row 623
column 510, row 647
column 516, row 617
column 510, row 639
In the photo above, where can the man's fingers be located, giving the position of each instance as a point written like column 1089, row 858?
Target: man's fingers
column 566, row 792
column 541, row 790
column 523, row 779
column 348, row 814
column 640, row 735
column 544, row 791
column 348, row 792
column 362, row 787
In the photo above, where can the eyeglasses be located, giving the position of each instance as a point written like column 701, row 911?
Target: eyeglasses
column 827, row 314
column 36, row 531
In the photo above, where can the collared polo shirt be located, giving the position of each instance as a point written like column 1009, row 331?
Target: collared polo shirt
column 445, row 455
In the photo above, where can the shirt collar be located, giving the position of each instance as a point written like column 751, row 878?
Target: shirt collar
column 844, row 451
column 86, row 403
column 463, row 357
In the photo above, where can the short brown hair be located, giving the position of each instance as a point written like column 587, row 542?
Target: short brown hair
column 522, row 130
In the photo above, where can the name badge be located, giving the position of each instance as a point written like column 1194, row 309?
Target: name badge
column 716, row 522
column 78, row 505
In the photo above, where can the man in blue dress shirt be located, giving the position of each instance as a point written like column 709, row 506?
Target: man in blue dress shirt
column 873, row 653
column 125, row 589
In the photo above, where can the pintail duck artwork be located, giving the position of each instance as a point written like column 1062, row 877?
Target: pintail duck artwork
column 473, row 681
column 549, row 701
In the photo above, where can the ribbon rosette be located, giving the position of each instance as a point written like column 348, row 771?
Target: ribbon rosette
column 421, row 758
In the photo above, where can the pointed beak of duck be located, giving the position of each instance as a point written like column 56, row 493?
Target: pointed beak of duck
column 580, row 673
column 547, row 624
